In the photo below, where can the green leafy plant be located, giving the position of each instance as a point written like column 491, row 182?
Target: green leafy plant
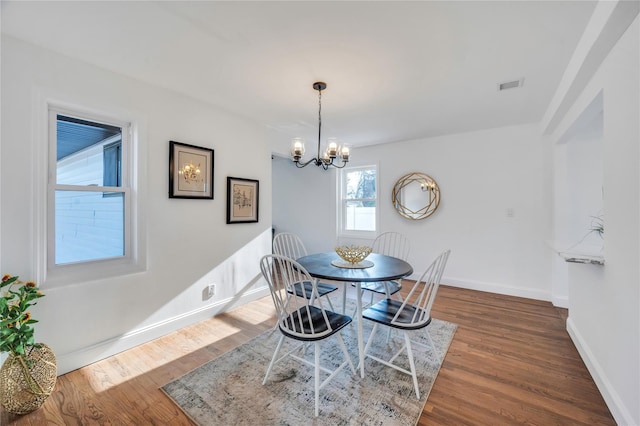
column 597, row 225
column 16, row 323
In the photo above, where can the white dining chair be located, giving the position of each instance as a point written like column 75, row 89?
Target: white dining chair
column 290, row 245
column 392, row 244
column 299, row 320
column 414, row 313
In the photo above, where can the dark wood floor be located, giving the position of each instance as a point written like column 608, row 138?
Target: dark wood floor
column 510, row 362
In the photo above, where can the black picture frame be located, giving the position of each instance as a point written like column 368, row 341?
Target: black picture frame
column 183, row 183
column 243, row 200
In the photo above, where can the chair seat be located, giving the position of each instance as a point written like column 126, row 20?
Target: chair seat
column 385, row 310
column 311, row 321
column 308, row 286
column 378, row 287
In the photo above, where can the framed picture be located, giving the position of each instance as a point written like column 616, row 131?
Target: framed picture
column 242, row 200
column 190, row 171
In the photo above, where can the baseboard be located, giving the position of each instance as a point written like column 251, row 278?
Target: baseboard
column 617, row 407
column 85, row 356
column 560, row 301
column 529, row 293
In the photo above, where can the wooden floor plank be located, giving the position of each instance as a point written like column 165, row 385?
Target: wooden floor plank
column 511, row 362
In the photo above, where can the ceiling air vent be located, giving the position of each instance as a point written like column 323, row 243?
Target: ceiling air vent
column 510, row 84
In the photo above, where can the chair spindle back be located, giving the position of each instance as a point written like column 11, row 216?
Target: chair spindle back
column 421, row 297
column 289, row 245
column 281, row 273
column 392, row 244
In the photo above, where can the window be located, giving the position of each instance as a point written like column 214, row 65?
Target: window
column 89, row 193
column 358, row 200
column 112, row 164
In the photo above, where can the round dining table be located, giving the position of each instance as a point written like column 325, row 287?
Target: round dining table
column 376, row 267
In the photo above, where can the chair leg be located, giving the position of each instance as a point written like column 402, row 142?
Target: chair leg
column 345, row 352
column 433, row 346
column 370, row 341
column 273, row 360
column 412, row 364
column 386, row 290
column 330, row 304
column 317, row 376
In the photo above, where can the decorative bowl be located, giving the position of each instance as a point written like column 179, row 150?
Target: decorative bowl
column 353, row 254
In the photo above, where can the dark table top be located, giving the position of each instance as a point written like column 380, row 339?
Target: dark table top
column 384, row 268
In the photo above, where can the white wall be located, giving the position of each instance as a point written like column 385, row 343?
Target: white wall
column 304, row 203
column 185, row 244
column 578, row 189
column 482, row 175
column 604, row 319
column 584, row 174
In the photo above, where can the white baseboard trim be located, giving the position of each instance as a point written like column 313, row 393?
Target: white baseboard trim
column 560, row 301
column 617, row 407
column 88, row 355
column 529, row 293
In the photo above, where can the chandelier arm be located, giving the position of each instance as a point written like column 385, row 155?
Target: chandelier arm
column 301, row 165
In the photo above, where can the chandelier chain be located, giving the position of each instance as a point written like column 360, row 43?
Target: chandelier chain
column 319, row 119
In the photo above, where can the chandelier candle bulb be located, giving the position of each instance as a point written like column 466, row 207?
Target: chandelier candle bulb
column 345, row 153
column 333, row 149
column 298, row 147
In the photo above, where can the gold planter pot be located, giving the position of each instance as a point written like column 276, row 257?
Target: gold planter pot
column 26, row 381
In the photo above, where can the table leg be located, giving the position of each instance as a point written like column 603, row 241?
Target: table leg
column 345, row 285
column 360, row 331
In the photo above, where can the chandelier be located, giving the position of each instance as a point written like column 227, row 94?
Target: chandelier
column 332, row 152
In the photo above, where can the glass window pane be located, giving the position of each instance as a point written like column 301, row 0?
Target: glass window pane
column 361, row 184
column 88, row 226
column 83, row 152
column 360, row 216
column 112, row 164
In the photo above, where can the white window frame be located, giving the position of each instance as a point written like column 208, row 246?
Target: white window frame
column 98, row 268
column 342, row 203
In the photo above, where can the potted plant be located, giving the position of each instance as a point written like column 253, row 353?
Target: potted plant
column 28, row 375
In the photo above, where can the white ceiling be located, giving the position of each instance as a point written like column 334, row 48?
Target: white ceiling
column 395, row 70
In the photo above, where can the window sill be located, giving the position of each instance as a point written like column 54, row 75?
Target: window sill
column 72, row 274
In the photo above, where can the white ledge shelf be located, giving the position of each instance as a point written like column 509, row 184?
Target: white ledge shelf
column 581, row 258
column 590, row 254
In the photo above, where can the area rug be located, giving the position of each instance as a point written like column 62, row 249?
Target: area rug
column 228, row 390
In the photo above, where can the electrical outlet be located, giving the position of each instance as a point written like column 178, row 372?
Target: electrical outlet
column 211, row 290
